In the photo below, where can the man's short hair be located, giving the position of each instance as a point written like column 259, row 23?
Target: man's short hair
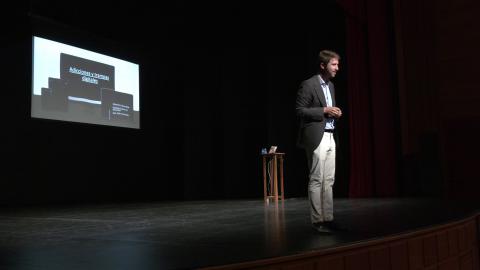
column 325, row 56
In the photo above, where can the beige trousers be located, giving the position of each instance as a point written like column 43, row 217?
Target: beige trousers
column 321, row 178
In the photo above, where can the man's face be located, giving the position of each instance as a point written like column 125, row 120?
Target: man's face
column 330, row 70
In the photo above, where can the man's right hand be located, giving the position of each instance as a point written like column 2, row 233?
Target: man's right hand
column 332, row 112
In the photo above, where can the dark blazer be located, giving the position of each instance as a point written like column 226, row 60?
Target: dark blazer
column 309, row 110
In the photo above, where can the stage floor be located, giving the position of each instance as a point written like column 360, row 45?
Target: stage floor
column 194, row 234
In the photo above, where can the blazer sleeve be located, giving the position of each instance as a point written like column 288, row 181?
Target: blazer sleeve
column 305, row 106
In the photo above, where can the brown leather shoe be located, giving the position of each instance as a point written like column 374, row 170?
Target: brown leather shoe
column 333, row 226
column 321, row 228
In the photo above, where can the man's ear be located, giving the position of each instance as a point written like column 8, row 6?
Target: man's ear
column 322, row 66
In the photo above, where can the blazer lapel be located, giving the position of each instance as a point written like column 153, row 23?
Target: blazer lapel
column 332, row 93
column 319, row 91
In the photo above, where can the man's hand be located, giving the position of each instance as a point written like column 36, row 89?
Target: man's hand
column 332, row 112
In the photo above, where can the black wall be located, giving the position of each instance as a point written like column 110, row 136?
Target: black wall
column 218, row 83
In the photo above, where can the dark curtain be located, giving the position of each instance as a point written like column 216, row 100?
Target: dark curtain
column 373, row 169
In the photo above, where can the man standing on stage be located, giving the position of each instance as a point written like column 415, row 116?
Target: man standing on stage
column 317, row 113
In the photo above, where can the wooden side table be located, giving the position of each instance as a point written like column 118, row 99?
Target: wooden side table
column 273, row 165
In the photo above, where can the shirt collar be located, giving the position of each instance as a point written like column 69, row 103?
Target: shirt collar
column 322, row 82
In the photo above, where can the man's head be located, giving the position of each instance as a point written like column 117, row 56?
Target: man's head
column 329, row 62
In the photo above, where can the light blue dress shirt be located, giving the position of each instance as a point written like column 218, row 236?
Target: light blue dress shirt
column 330, row 124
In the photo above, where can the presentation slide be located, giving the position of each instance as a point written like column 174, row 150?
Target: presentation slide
column 77, row 85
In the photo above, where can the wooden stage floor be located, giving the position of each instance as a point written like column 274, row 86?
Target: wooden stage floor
column 198, row 234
